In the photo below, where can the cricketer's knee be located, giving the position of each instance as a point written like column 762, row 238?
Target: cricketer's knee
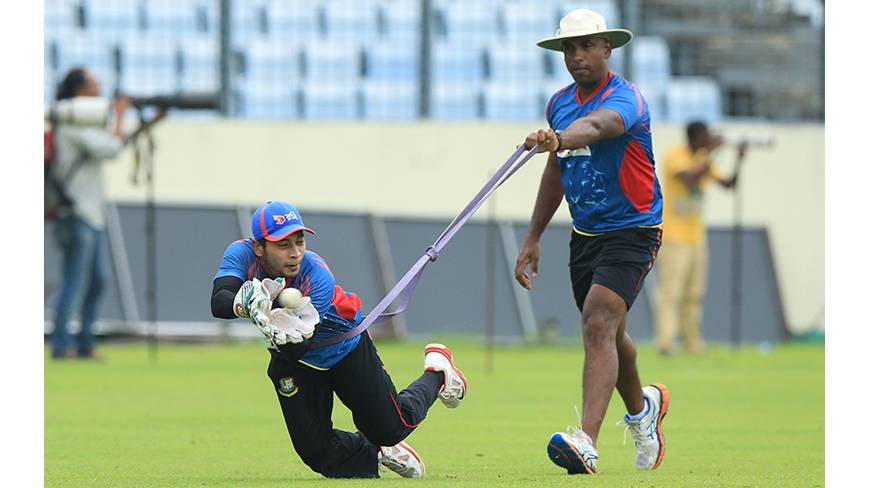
column 603, row 313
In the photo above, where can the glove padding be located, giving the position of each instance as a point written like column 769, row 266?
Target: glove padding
column 253, row 295
column 274, row 287
column 294, row 325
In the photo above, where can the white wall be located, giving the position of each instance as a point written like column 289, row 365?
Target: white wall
column 433, row 169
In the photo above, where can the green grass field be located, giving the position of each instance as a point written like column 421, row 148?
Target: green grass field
column 206, row 415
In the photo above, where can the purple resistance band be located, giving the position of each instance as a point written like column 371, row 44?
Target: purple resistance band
column 404, row 289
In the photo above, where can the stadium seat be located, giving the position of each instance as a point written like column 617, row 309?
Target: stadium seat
column 690, row 98
column 249, row 21
column 322, row 99
column 59, row 17
column 529, row 21
column 651, row 62
column 332, row 61
column 270, row 61
column 550, row 86
column 401, row 21
column 112, row 19
column 180, row 18
column 147, row 83
column 257, row 100
column 452, row 62
column 87, row 50
column 512, row 101
column 390, row 100
column 200, row 63
column 391, row 61
column 351, row 20
column 609, row 9
column 455, row 100
column 513, row 63
column 294, row 21
column 469, row 22
column 153, row 54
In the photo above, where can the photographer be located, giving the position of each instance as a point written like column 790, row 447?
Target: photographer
column 80, row 151
column 682, row 260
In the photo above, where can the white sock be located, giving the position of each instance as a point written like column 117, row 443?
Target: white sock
column 642, row 414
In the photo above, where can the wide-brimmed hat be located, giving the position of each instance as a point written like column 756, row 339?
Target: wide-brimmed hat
column 583, row 23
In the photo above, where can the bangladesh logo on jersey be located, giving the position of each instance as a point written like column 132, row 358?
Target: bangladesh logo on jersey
column 287, row 387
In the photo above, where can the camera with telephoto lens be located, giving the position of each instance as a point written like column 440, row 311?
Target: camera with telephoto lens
column 95, row 111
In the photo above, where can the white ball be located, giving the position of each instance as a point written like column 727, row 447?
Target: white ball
column 290, row 298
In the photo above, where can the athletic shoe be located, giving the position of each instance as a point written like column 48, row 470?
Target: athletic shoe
column 438, row 358
column 647, row 432
column 574, row 451
column 402, row 460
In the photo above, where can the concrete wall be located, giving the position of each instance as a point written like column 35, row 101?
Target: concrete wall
column 433, row 169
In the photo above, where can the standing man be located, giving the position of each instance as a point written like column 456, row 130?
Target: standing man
column 80, row 154
column 682, row 269
column 305, row 379
column 601, row 160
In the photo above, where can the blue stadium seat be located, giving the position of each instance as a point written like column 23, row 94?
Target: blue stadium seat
column 332, row 61
column 294, row 21
column 147, row 83
column 271, row 61
column 390, row 100
column 607, row 8
column 87, row 50
column 456, row 62
column 200, row 62
column 529, row 21
column 249, row 21
column 351, row 20
column 179, row 18
column 256, row 100
column 470, row 22
column 512, row 101
column 509, row 62
column 391, row 61
column 401, row 21
column 455, row 100
column 691, row 98
column 59, row 17
column 651, row 62
column 112, row 19
column 323, row 99
column 151, row 54
column 550, row 86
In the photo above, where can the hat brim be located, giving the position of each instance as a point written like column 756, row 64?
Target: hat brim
column 284, row 233
column 619, row 38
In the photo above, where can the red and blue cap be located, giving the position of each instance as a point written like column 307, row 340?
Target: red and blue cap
column 275, row 221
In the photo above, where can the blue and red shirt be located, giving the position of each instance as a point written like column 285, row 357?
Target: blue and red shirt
column 340, row 309
column 611, row 184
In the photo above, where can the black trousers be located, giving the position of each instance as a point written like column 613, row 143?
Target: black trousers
column 383, row 417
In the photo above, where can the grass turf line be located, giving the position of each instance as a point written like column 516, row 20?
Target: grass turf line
column 206, row 415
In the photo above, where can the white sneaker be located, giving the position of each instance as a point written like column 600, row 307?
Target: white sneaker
column 438, row 358
column 647, row 432
column 574, row 451
column 402, row 460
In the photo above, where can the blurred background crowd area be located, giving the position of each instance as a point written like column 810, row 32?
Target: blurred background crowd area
column 440, row 59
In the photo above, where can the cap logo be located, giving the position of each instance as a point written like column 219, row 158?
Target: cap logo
column 281, row 219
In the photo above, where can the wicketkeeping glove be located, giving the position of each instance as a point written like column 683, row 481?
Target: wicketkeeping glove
column 294, row 325
column 274, row 287
column 254, row 302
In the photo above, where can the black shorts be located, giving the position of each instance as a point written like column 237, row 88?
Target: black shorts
column 618, row 260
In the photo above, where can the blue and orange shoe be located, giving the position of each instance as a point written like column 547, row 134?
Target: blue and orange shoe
column 649, row 440
column 574, row 451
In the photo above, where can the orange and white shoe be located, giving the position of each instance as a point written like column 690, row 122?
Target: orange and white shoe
column 574, row 451
column 649, row 440
column 402, row 460
column 438, row 358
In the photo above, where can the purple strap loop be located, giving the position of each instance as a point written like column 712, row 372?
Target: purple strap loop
column 403, row 291
column 432, row 253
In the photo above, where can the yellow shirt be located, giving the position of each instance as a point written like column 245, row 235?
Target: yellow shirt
column 682, row 209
